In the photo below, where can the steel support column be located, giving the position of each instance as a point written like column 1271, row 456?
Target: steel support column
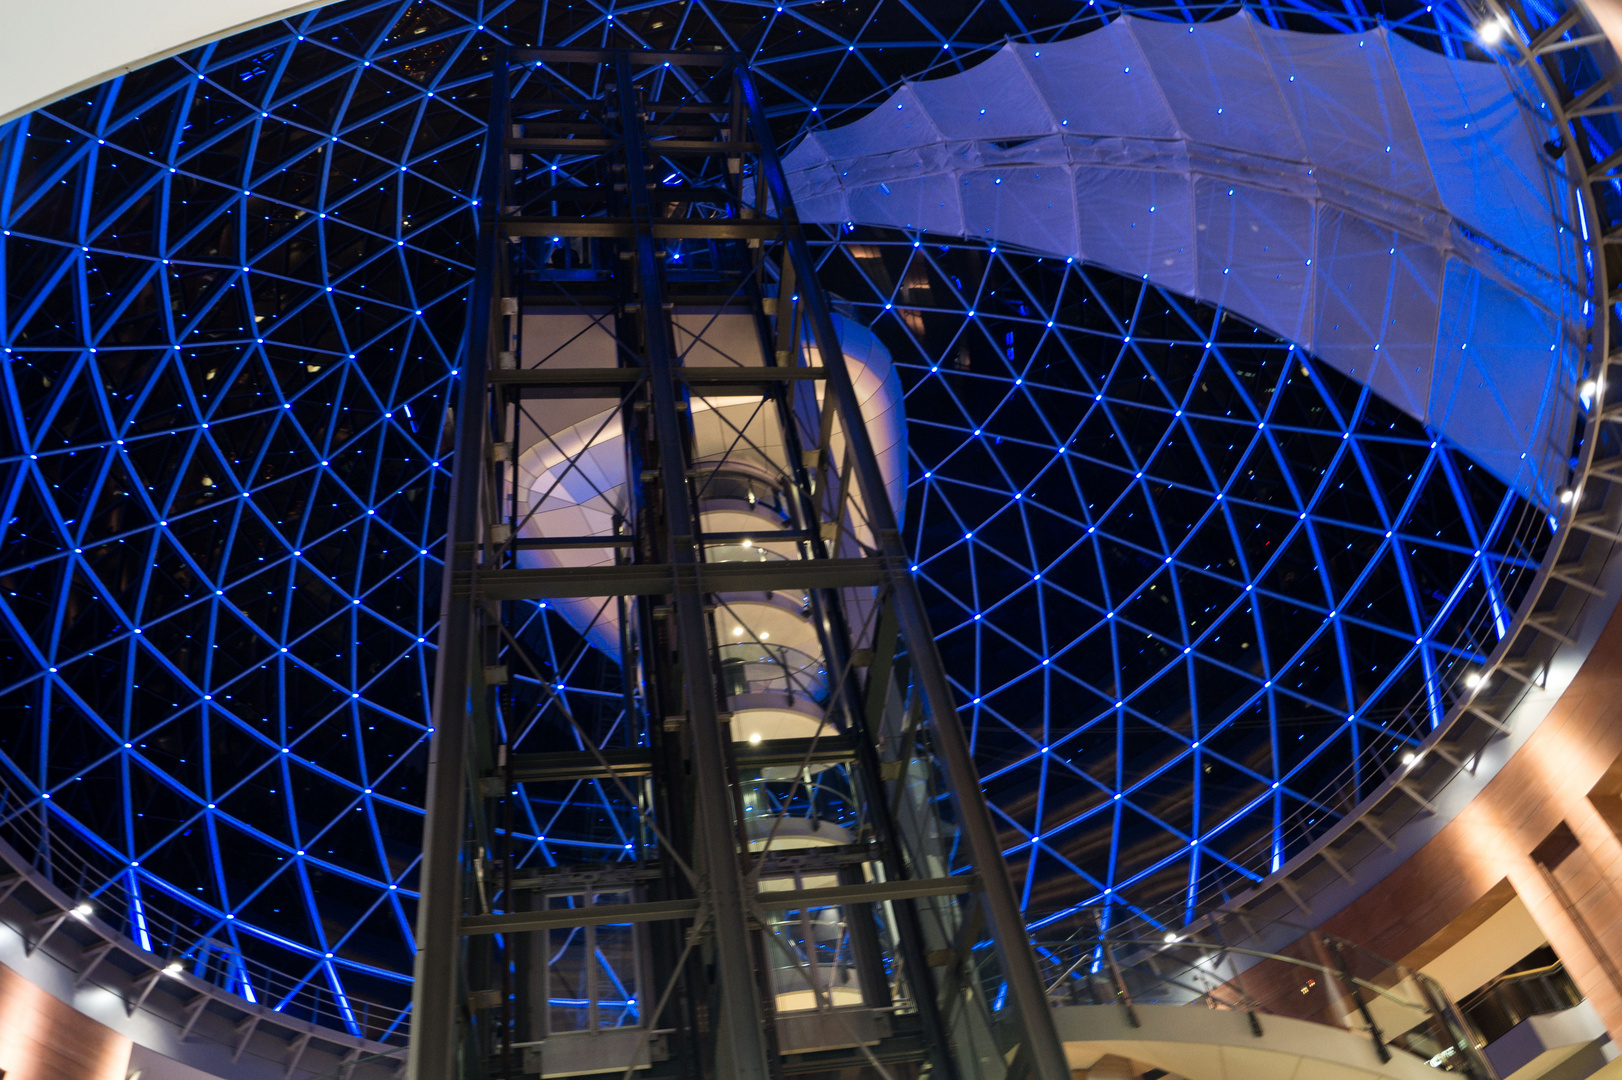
column 739, row 1025
column 1008, row 926
column 437, row 978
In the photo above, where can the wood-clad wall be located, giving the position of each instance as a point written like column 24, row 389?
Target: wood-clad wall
column 1547, row 829
column 41, row 1038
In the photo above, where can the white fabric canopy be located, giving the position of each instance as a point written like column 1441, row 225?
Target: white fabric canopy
column 1385, row 207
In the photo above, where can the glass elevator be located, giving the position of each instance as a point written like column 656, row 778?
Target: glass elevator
column 670, row 436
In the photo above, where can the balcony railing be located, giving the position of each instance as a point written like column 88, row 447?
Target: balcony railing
column 279, row 975
column 1106, row 956
column 1516, row 995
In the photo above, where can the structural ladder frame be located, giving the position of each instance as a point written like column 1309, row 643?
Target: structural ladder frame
column 929, row 948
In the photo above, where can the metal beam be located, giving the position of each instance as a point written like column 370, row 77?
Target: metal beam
column 737, row 378
column 1025, row 988
column 581, row 765
column 557, row 543
column 614, row 382
column 638, row 760
column 663, row 910
column 665, row 579
column 626, row 229
column 568, row 381
column 791, row 753
column 434, row 1049
column 598, row 915
column 873, row 892
column 576, row 144
column 739, row 1019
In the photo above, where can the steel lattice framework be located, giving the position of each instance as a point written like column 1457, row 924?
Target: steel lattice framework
column 1201, row 593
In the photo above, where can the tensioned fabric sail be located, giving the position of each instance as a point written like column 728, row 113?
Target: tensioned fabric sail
column 1386, row 207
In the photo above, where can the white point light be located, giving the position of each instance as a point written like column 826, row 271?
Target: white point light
column 1493, row 30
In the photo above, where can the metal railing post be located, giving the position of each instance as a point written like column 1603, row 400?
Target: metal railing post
column 1375, row 1033
column 1454, row 1025
column 1122, row 994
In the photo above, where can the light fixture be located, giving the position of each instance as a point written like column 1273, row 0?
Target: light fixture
column 83, row 909
column 1493, row 30
column 173, row 969
column 1566, row 495
column 1409, row 758
column 977, row 660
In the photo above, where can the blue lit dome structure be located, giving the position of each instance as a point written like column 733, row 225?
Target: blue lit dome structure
column 1203, row 592
column 1200, row 591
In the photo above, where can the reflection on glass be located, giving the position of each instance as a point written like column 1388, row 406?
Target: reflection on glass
column 591, row 971
column 749, row 667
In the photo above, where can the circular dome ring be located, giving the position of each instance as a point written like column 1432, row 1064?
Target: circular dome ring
column 229, row 462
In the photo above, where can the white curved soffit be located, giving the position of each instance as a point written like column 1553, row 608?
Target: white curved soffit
column 1383, row 206
column 1201, row 1043
column 52, row 48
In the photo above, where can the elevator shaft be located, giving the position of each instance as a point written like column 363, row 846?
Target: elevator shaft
column 700, row 805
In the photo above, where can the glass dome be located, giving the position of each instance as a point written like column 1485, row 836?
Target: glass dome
column 1200, row 591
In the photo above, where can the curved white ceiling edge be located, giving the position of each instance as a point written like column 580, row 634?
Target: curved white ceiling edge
column 50, row 50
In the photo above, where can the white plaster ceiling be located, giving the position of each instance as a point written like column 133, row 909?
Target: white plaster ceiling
column 50, row 49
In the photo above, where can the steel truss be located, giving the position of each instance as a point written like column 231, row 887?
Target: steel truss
column 1567, row 76
column 218, row 691
column 806, row 875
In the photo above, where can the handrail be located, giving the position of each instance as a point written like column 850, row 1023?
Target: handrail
column 1514, row 996
column 133, row 905
column 1324, row 979
column 1259, row 954
column 1518, row 976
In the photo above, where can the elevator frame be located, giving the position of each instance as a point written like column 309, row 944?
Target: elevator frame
column 704, row 925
